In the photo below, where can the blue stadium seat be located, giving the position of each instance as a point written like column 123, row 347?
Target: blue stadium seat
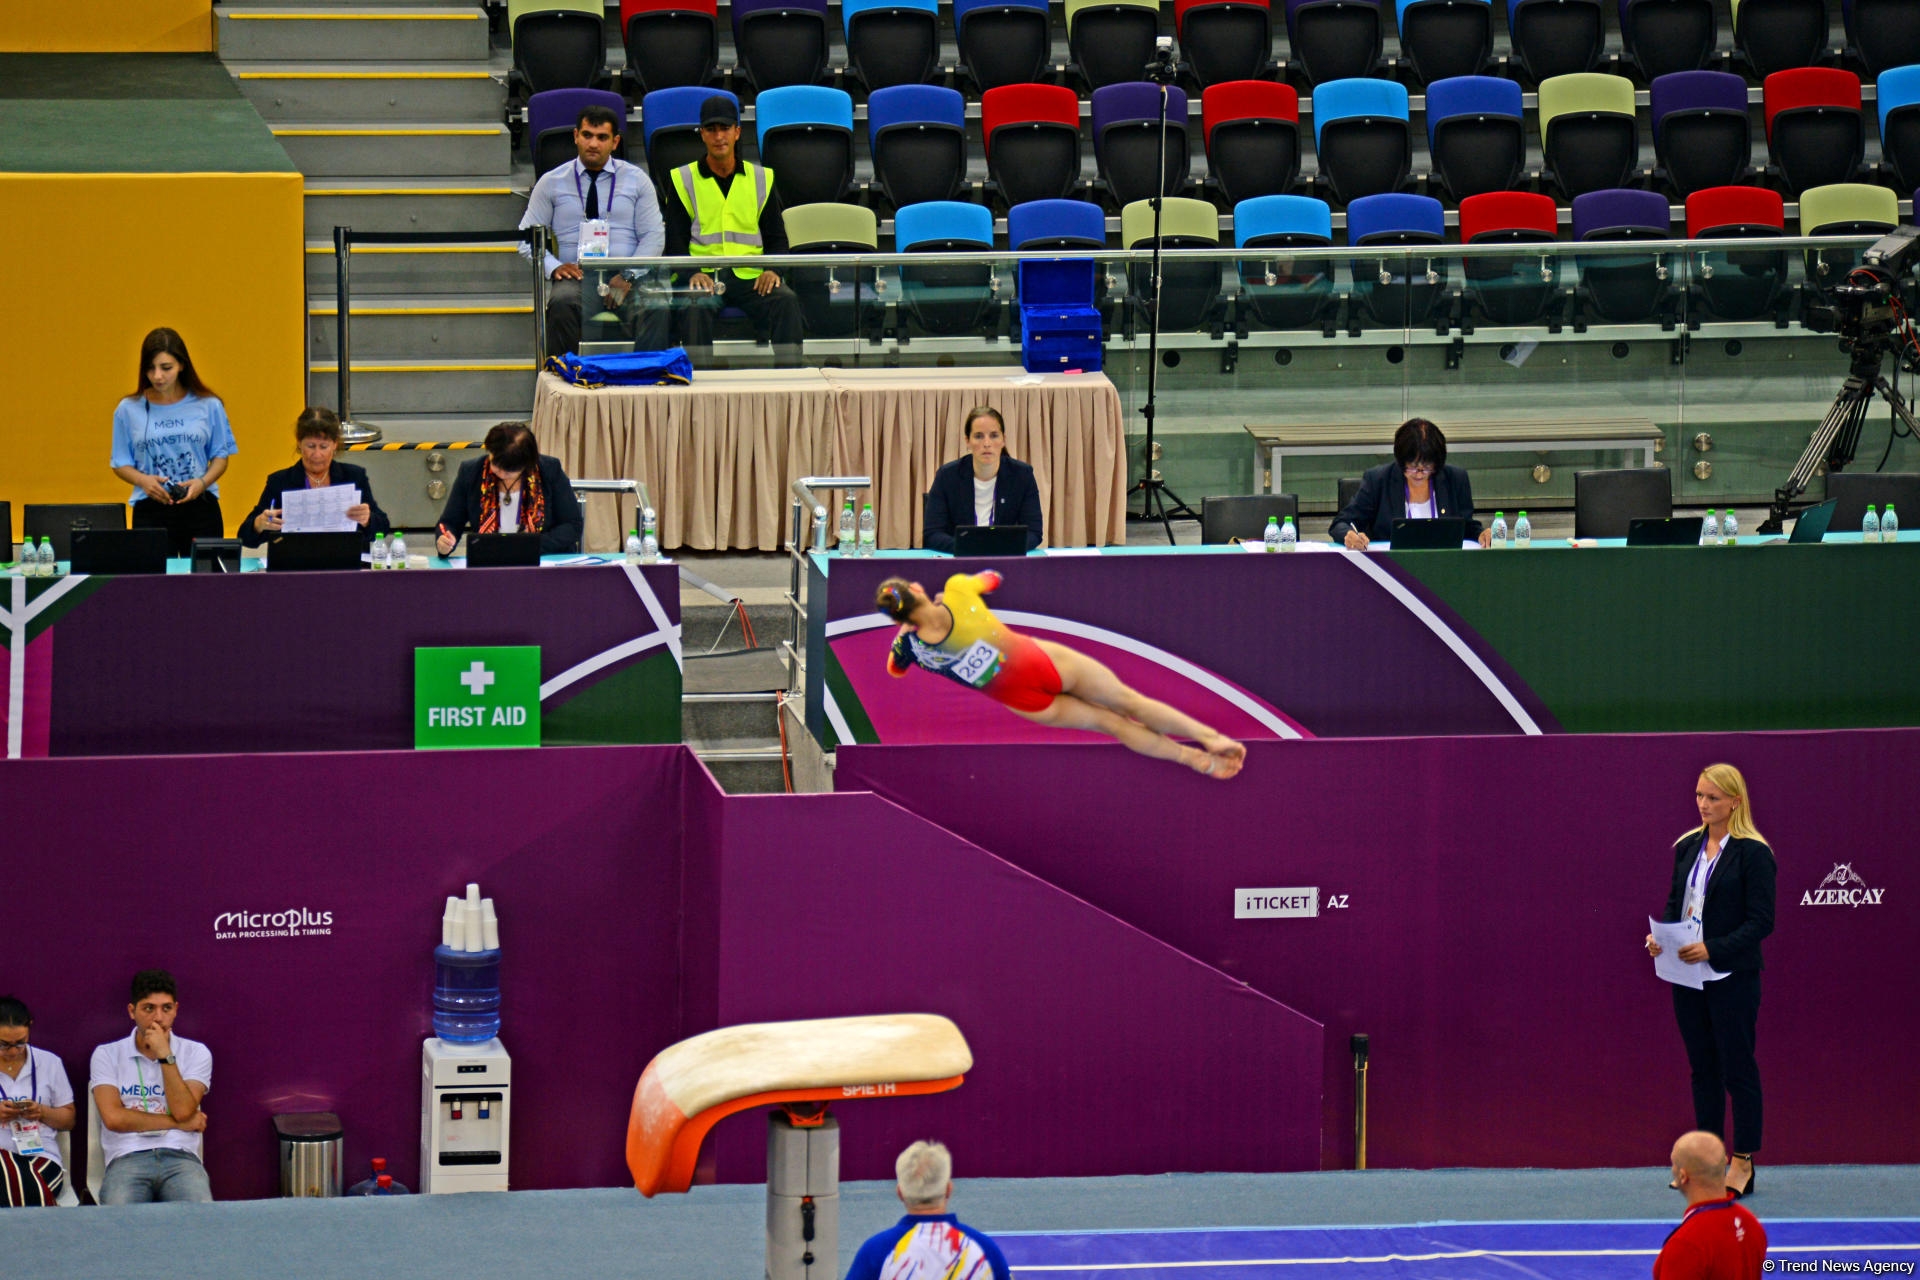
column 949, row 299
column 1362, row 134
column 1898, row 92
column 551, row 117
column 917, row 134
column 805, row 134
column 1701, row 135
column 1398, row 293
column 1283, row 292
column 1334, row 39
column 1126, row 139
column 780, row 42
column 1056, row 224
column 1475, row 134
column 1555, row 37
column 670, row 128
column 1003, row 41
column 1445, row 38
column 891, row 42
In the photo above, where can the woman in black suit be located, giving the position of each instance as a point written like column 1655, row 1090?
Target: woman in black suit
column 317, row 432
column 984, row 483
column 1723, row 876
column 515, row 488
column 1417, row 484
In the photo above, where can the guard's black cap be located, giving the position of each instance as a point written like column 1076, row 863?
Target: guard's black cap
column 719, row 109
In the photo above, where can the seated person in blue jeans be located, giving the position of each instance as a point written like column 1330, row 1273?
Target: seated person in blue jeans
column 147, row 1088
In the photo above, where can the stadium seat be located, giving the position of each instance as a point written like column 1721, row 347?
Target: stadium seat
column 950, row 299
column 1400, row 293
column 1620, row 287
column 1445, row 39
column 1032, row 137
column 1284, row 292
column 1898, row 94
column 891, row 42
column 1111, row 41
column 1853, row 490
column 550, row 120
column 1334, row 39
column 1701, row 135
column 670, row 42
column 1224, row 40
column 1251, row 130
column 1126, row 139
column 1362, row 136
column 1556, row 37
column 835, row 302
column 1475, row 134
column 1606, row 503
column 780, row 42
column 917, row 134
column 1773, row 35
column 1668, row 36
column 1588, row 135
column 805, row 134
column 1816, row 133
column 1742, row 285
column 1003, row 42
column 1056, row 224
column 1844, row 209
column 1884, row 33
column 557, row 44
column 670, row 129
column 1189, row 291
column 1518, row 289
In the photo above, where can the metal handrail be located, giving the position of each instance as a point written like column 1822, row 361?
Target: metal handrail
column 642, row 503
column 806, row 502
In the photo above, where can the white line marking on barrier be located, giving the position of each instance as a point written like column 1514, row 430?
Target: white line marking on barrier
column 656, row 612
column 605, row 658
column 17, row 668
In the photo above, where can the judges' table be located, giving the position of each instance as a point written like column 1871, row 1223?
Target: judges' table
column 324, row 661
column 1334, row 643
column 718, row 455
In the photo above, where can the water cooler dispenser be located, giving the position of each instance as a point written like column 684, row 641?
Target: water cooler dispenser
column 466, row 1092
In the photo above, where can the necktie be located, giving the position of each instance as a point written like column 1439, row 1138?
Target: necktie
column 593, row 194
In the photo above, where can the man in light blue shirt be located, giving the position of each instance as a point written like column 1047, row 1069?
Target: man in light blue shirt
column 573, row 200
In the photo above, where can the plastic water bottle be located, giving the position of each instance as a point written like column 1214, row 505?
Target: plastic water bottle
column 1710, row 530
column 466, row 995
column 1289, row 536
column 633, row 546
column 848, row 545
column 649, row 537
column 1889, row 525
column 866, row 529
column 397, row 551
column 1522, row 533
column 1730, row 530
column 380, row 551
column 49, row 559
column 1499, row 531
column 1272, row 536
column 1870, row 526
column 378, row 1183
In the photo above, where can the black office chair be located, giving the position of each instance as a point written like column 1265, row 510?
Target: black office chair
column 1605, row 503
column 57, row 521
column 1245, row 516
column 1349, row 489
column 1853, row 490
column 6, row 523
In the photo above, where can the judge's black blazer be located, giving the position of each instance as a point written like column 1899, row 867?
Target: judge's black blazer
column 564, row 521
column 1383, row 499
column 1016, row 500
column 1738, row 910
column 295, row 477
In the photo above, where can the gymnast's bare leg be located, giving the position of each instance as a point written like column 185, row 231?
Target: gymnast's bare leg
column 1092, row 697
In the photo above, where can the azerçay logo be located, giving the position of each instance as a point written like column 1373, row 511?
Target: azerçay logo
column 1843, row 887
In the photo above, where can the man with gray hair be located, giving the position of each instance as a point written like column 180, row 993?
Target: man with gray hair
column 929, row 1243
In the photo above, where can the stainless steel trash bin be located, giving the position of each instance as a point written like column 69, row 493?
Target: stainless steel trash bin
column 309, row 1153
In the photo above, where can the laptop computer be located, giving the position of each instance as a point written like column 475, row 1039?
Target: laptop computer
column 990, row 540
column 306, row 552
column 121, row 550
column 1671, row 531
column 1813, row 522
column 502, row 550
column 1442, row 533
column 56, row 521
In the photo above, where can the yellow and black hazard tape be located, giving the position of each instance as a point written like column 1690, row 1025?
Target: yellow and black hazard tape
column 389, row 446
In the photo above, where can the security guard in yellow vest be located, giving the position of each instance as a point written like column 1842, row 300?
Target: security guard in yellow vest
column 721, row 205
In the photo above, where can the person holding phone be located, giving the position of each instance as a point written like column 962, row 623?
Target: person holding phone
column 36, row 1106
column 171, row 442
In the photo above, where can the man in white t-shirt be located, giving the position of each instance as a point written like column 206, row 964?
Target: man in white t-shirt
column 148, row 1089
column 36, row 1105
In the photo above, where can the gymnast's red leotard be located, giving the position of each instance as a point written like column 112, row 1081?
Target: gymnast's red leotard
column 981, row 651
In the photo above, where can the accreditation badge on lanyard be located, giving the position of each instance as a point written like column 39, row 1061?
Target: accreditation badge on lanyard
column 596, row 234
column 28, row 1136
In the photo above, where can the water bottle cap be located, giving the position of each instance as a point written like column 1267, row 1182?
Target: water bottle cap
column 1499, row 515
column 384, row 1180
column 379, row 1164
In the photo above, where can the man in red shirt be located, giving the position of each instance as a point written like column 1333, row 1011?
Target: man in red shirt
column 1717, row 1239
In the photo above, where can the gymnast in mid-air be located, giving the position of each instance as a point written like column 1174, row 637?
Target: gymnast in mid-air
column 955, row 635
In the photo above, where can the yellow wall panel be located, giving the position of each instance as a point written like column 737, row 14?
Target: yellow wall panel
column 217, row 256
column 107, row 26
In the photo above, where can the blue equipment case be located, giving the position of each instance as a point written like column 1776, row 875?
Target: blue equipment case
column 1059, row 325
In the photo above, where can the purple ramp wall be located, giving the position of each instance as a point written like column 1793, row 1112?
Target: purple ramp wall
column 1097, row 1049
column 134, row 858
column 1496, row 896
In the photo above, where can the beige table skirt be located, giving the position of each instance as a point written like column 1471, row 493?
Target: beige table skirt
column 718, row 456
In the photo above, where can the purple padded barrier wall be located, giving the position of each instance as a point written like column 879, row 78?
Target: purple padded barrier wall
column 136, row 858
column 1497, row 891
column 1097, row 1049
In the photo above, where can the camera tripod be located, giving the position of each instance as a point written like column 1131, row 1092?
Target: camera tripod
column 1838, row 434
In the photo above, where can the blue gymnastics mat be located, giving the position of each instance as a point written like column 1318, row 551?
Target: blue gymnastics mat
column 1454, row 1250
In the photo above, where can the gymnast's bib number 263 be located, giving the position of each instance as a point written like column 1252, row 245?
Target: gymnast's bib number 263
column 978, row 664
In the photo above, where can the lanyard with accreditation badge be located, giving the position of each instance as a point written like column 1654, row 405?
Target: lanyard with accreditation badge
column 26, row 1133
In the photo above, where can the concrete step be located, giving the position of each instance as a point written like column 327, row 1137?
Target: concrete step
column 469, row 203
column 747, row 777
column 388, row 269
column 372, row 91
column 341, row 33
column 417, row 149
column 396, row 328
column 467, row 385
column 730, row 725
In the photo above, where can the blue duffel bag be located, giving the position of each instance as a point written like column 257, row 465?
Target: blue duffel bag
column 627, row 369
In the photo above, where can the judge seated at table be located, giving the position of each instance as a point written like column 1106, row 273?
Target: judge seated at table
column 986, row 487
column 1417, row 485
column 317, row 432
column 513, row 489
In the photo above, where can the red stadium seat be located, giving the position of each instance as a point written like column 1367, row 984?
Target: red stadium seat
column 1815, row 130
column 1032, row 138
column 1251, row 129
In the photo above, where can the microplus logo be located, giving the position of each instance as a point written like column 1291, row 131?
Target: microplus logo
column 1843, row 887
column 296, row 922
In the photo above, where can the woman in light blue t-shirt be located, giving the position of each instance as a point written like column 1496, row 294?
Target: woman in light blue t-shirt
column 171, row 442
